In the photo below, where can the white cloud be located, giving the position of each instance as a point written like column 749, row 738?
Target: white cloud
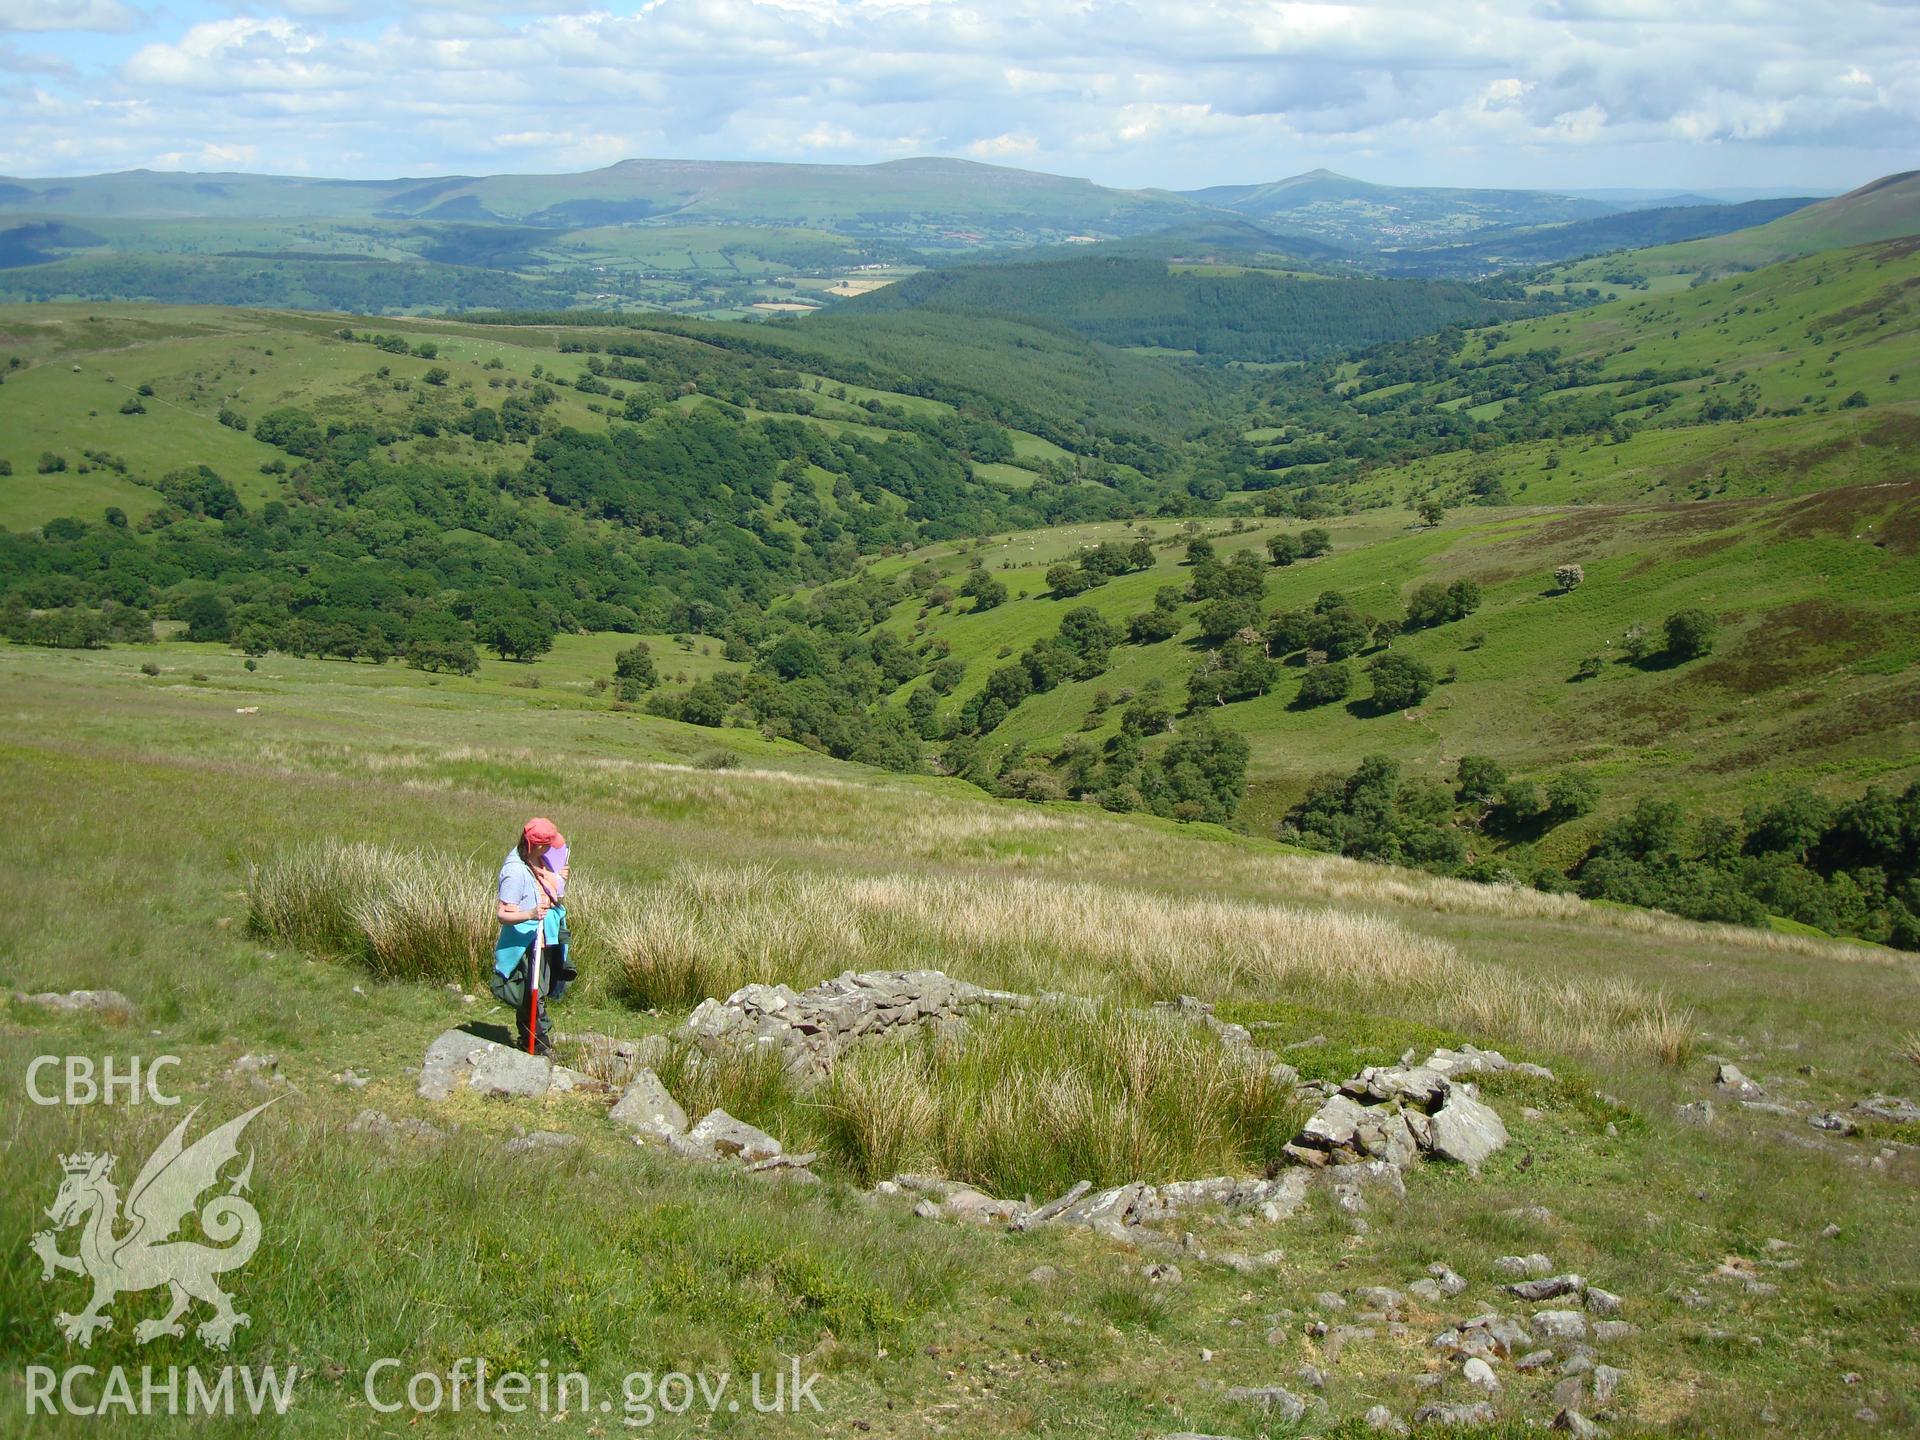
column 1551, row 92
column 51, row 15
column 1002, row 147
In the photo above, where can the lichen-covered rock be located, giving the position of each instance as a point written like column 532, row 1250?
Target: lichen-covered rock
column 510, row 1074
column 725, row 1136
column 1466, row 1131
column 646, row 1108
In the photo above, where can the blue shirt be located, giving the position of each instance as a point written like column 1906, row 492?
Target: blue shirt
column 520, row 890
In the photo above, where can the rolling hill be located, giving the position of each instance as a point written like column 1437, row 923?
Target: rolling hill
column 1229, row 312
column 1887, row 209
column 1361, row 215
column 924, row 198
column 1488, row 253
column 1799, row 376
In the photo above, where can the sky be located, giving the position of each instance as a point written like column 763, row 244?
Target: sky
column 1785, row 95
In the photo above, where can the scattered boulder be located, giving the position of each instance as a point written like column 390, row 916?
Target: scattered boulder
column 725, row 1136
column 646, row 1108
column 1481, row 1412
column 1572, row 1422
column 1039, row 1215
column 1384, row 1421
column 446, row 1064
column 1523, row 1265
column 257, row 1070
column 1559, row 1326
column 1467, row 1132
column 539, row 1140
column 1697, row 1113
column 1394, row 1113
column 1548, row 1287
column 1471, row 1060
column 1479, row 1374
column 1602, row 1302
column 384, row 1127
column 1277, row 1402
column 1895, row 1109
column 1729, row 1079
column 108, row 1005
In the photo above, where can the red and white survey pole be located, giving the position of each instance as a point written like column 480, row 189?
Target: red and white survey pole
column 533, row 984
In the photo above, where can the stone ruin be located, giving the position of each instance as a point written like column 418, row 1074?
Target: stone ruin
column 1360, row 1136
column 809, row 1028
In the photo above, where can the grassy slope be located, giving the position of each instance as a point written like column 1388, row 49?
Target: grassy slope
column 1816, row 677
column 1802, row 335
column 1884, row 210
column 379, row 1249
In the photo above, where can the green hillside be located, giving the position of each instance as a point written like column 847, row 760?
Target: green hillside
column 406, row 266
column 1232, row 313
column 1887, row 209
column 1793, row 377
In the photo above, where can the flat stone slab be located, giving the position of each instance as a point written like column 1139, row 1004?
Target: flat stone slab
column 107, row 1004
column 459, row 1057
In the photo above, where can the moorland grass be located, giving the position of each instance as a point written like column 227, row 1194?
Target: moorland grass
column 148, row 799
column 706, row 931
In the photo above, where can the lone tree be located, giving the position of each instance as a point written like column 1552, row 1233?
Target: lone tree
column 1284, row 547
column 513, row 629
column 1322, row 685
column 1400, row 681
column 1431, row 512
column 1568, row 577
column 633, row 672
column 1689, row 634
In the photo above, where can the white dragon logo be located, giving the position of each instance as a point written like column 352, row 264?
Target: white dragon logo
column 146, row 1255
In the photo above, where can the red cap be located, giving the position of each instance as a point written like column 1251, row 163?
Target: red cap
column 541, row 832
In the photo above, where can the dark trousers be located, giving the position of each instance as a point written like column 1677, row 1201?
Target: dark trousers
column 556, row 973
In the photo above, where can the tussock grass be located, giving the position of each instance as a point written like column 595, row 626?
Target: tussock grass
column 1020, row 1103
column 1028, row 1103
column 405, row 915
column 706, row 930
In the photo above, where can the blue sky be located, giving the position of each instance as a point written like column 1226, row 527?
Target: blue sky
column 1565, row 94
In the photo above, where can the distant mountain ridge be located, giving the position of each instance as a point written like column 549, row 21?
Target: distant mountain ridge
column 1493, row 251
column 1883, row 209
column 1346, row 211
column 898, row 192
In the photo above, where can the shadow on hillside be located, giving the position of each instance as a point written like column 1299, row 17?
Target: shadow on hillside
column 1658, row 661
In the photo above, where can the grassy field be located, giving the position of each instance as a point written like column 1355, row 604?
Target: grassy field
column 149, row 798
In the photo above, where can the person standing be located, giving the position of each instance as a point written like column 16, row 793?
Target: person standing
column 529, row 902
